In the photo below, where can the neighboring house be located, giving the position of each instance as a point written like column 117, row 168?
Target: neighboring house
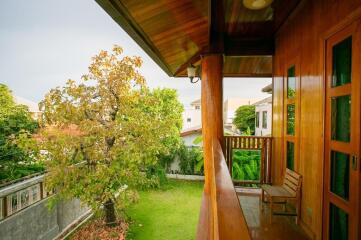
column 192, row 115
column 190, row 134
column 264, row 114
column 229, row 110
column 32, row 106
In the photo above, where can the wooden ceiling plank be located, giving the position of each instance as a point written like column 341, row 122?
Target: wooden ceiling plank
column 121, row 16
column 190, row 61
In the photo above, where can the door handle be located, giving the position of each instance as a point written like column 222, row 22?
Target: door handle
column 354, row 162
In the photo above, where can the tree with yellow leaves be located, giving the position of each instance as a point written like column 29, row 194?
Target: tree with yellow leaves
column 102, row 134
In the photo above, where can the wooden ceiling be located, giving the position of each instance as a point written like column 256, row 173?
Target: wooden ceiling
column 175, row 33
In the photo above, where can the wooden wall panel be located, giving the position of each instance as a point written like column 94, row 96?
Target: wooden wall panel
column 303, row 36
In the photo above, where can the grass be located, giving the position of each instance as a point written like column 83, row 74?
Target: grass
column 169, row 213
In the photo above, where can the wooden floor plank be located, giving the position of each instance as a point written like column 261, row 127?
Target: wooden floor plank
column 282, row 228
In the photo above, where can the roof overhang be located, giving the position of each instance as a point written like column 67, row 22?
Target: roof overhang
column 176, row 33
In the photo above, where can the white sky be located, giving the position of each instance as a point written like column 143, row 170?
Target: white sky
column 45, row 42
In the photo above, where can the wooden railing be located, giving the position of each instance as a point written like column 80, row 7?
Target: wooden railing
column 263, row 144
column 221, row 216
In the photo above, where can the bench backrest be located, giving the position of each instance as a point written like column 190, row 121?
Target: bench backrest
column 292, row 182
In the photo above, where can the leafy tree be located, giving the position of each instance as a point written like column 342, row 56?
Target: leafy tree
column 15, row 123
column 245, row 118
column 104, row 133
column 171, row 107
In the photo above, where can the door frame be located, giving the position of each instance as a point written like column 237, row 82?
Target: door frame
column 340, row 33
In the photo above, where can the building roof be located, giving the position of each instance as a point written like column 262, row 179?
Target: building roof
column 189, row 131
column 196, row 102
column 263, row 101
column 198, row 129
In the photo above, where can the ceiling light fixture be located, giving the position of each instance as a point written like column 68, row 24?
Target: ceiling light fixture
column 256, row 4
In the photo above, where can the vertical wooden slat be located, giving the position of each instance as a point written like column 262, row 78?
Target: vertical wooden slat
column 269, row 161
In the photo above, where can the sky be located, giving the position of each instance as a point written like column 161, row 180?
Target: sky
column 43, row 43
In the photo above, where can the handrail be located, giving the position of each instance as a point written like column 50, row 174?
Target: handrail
column 221, row 216
column 264, row 144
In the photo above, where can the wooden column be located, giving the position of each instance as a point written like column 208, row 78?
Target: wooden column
column 212, row 108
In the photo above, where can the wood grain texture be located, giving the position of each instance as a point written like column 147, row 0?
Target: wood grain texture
column 220, row 205
column 283, row 227
column 176, row 33
column 212, row 106
column 303, row 36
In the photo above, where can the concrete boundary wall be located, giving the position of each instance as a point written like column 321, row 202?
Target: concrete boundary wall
column 39, row 223
column 186, row 177
column 36, row 221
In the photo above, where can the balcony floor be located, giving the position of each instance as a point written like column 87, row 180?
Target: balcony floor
column 282, row 227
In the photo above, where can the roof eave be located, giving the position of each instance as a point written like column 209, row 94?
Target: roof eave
column 124, row 20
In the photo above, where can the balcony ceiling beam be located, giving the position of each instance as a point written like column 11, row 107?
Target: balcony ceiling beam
column 216, row 26
column 249, row 47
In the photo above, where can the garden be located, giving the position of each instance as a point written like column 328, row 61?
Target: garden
column 169, row 212
column 108, row 140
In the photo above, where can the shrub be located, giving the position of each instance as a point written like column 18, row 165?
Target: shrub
column 190, row 160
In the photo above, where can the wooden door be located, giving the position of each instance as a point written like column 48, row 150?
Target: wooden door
column 342, row 135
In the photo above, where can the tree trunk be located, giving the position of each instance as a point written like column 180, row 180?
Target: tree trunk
column 110, row 217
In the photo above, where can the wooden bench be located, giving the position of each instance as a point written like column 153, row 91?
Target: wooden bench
column 289, row 190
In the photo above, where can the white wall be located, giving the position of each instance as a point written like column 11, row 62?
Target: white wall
column 260, row 131
column 188, row 140
column 195, row 118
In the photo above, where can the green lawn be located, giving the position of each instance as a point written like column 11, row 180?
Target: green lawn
column 170, row 213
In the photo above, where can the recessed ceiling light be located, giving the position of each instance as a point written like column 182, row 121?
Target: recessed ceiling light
column 256, row 4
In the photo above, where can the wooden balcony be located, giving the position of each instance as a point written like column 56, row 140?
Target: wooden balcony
column 259, row 225
column 221, row 216
column 227, row 213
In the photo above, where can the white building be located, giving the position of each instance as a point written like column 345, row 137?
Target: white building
column 192, row 116
column 32, row 106
column 263, row 117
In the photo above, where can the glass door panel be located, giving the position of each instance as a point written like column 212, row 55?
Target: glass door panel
column 341, row 118
column 340, row 174
column 338, row 223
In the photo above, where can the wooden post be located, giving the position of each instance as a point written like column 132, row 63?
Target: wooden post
column 212, row 105
column 212, row 128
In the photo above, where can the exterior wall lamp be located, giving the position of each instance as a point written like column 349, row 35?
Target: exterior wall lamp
column 192, row 72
